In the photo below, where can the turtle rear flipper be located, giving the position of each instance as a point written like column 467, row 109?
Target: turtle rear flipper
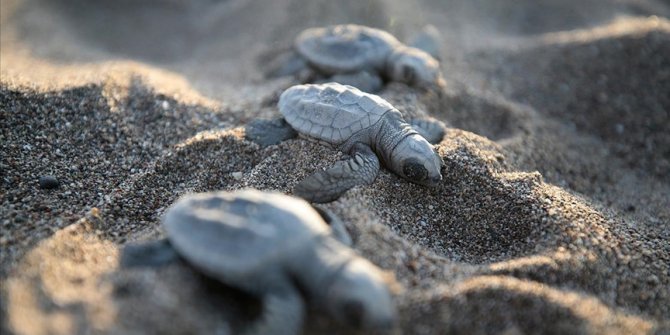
column 433, row 130
column 149, row 254
column 266, row 132
column 326, row 186
column 283, row 313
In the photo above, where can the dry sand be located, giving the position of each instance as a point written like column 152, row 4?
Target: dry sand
column 553, row 216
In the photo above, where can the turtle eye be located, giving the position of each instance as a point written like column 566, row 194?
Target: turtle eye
column 414, row 170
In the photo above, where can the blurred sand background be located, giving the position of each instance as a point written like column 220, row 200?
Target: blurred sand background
column 553, row 216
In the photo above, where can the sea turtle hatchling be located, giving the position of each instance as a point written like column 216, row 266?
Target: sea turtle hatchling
column 346, row 50
column 366, row 127
column 275, row 247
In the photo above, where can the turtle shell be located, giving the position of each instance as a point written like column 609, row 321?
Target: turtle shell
column 331, row 112
column 345, row 48
column 242, row 238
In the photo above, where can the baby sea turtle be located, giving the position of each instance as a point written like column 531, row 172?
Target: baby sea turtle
column 275, row 246
column 366, row 127
column 348, row 49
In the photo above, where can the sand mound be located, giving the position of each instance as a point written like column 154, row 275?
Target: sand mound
column 479, row 214
column 91, row 139
column 612, row 86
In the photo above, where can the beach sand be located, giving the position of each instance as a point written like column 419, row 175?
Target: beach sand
column 553, row 216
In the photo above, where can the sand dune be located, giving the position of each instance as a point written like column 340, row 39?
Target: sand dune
column 553, row 215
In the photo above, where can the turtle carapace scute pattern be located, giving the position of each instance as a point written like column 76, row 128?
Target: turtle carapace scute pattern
column 366, row 127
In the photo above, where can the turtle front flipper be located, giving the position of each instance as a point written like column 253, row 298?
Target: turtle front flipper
column 266, row 132
column 149, row 254
column 327, row 186
column 433, row 130
column 283, row 313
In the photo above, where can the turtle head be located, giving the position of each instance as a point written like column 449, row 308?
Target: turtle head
column 415, row 67
column 417, row 161
column 360, row 296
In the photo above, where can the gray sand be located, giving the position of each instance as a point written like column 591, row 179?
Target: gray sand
column 553, row 215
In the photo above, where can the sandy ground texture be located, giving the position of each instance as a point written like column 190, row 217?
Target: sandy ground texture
column 553, row 216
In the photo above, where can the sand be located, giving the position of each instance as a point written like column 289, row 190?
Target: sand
column 553, row 215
